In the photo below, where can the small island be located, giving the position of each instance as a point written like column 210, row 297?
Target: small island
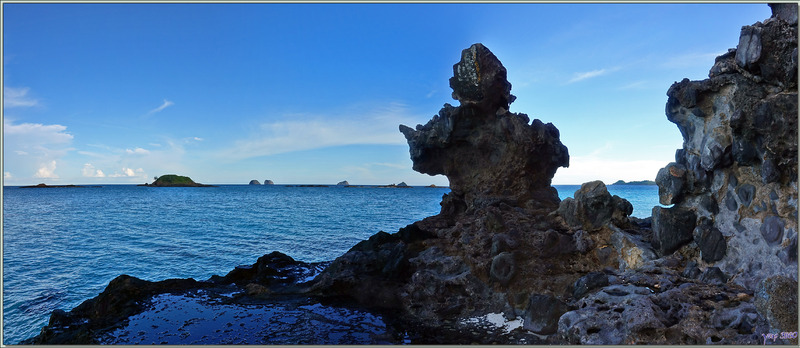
column 642, row 182
column 254, row 182
column 268, row 182
column 172, row 180
column 43, row 185
column 402, row 184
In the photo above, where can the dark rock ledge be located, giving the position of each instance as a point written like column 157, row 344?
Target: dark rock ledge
column 505, row 261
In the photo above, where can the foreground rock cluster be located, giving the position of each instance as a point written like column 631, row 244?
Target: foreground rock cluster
column 718, row 267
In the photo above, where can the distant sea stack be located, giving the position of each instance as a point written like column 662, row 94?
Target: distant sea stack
column 254, row 182
column 268, row 182
column 172, row 180
column 642, row 182
column 343, row 183
column 400, row 185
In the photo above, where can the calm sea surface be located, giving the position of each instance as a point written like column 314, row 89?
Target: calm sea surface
column 62, row 246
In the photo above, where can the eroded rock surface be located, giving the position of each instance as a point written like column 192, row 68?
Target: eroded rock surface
column 737, row 170
column 489, row 154
column 735, row 178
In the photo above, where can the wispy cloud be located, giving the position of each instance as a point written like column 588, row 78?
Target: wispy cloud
column 17, row 97
column 635, row 85
column 133, row 164
column 580, row 76
column 189, row 140
column 391, row 165
column 37, row 132
column 7, row 175
column 377, row 126
column 137, row 151
column 691, row 59
column 35, row 147
column 163, row 106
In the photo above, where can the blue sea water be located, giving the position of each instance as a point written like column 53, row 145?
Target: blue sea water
column 62, row 246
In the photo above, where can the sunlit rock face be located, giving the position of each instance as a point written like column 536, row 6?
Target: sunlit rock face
column 489, row 154
column 737, row 170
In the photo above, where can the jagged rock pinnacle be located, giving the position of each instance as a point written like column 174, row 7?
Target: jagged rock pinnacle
column 489, row 154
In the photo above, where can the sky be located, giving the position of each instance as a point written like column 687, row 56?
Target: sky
column 314, row 93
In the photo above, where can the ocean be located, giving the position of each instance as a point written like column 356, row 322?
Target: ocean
column 62, row 246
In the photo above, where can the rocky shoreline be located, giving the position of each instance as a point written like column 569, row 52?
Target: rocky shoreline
column 506, row 261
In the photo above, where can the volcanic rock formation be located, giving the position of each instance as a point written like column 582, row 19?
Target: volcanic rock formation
column 489, row 154
column 498, row 244
column 734, row 182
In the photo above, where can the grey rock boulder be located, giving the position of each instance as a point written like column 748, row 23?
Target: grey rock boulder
column 542, row 314
column 593, row 207
column 672, row 228
column 670, row 181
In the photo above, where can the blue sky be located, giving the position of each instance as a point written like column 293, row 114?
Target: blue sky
column 314, row 93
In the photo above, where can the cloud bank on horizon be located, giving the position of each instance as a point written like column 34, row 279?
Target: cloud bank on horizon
column 314, row 93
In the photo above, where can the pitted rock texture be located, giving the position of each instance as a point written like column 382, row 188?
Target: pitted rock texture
column 594, row 207
column 656, row 305
column 737, row 170
column 498, row 244
column 489, row 154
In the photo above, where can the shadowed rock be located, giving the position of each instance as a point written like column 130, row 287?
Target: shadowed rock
column 489, row 154
column 594, row 207
column 737, row 169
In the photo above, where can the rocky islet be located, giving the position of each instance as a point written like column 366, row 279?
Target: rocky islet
column 718, row 267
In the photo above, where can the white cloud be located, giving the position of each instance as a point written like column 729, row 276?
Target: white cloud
column 37, row 148
column 137, row 151
column 128, row 172
column 377, row 127
column 587, row 75
column 37, row 133
column 163, row 106
column 7, row 175
column 635, row 85
column 693, row 59
column 189, row 140
column 46, row 171
column 391, row 165
column 17, row 97
column 126, row 164
column 90, row 171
